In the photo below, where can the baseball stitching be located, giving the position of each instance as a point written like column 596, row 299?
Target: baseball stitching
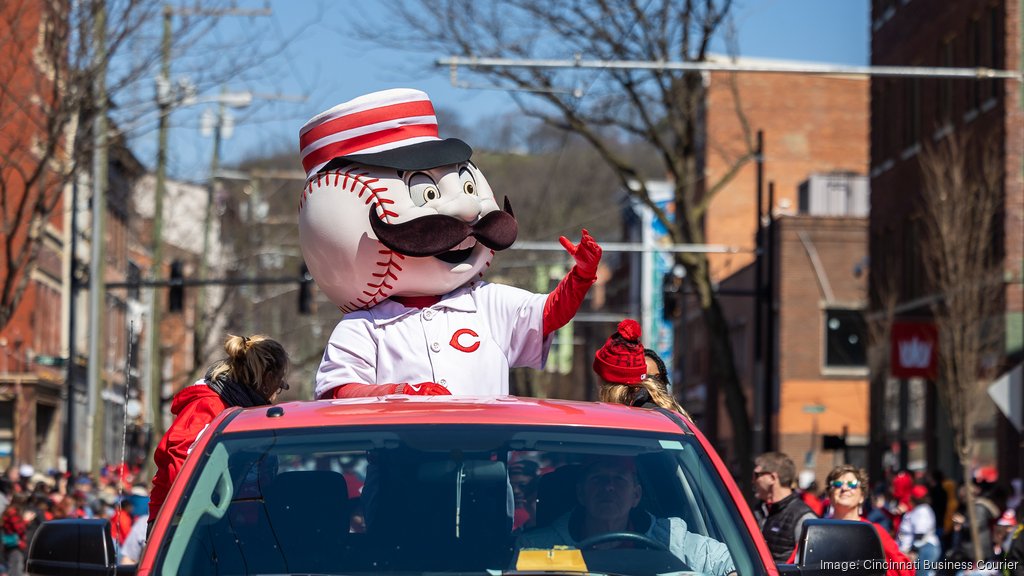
column 360, row 184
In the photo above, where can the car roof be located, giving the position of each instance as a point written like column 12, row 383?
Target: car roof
column 492, row 410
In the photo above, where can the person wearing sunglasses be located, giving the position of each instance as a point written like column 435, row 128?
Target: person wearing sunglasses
column 782, row 512
column 847, row 491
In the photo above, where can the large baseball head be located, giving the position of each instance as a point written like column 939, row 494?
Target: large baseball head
column 390, row 209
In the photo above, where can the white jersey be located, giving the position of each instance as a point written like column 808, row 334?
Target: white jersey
column 466, row 342
column 917, row 528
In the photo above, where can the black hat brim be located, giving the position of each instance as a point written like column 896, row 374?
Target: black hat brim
column 420, row 156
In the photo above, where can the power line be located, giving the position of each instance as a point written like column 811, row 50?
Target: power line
column 979, row 73
column 638, row 247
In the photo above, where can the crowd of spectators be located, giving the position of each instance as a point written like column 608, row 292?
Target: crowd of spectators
column 922, row 513
column 29, row 497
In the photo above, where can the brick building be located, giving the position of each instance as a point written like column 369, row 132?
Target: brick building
column 811, row 125
column 34, row 342
column 31, row 342
column 906, row 116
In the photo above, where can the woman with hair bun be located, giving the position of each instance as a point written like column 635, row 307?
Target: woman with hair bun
column 252, row 374
column 626, row 377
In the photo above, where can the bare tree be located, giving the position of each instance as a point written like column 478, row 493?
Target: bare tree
column 884, row 294
column 51, row 66
column 51, row 56
column 962, row 200
column 660, row 109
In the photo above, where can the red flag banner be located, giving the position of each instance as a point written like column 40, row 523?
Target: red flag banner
column 915, row 350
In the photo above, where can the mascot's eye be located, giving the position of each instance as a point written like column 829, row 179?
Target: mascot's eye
column 422, row 189
column 468, row 183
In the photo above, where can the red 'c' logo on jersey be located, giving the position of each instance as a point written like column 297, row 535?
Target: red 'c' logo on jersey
column 459, row 345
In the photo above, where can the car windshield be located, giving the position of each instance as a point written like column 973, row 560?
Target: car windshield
column 418, row 499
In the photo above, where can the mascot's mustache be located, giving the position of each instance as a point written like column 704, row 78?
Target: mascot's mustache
column 436, row 234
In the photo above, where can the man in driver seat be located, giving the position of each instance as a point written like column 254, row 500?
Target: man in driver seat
column 608, row 493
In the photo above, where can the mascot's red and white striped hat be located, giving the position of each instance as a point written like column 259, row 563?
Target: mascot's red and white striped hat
column 392, row 128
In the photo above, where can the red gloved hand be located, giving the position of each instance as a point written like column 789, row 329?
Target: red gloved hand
column 423, row 389
column 587, row 254
column 356, row 390
column 566, row 298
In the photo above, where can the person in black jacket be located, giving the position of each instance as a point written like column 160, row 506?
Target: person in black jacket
column 782, row 512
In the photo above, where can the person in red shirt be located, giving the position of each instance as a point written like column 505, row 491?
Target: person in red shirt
column 807, row 487
column 121, row 522
column 15, row 521
column 253, row 374
column 847, row 490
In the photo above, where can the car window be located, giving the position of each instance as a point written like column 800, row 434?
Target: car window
column 454, row 499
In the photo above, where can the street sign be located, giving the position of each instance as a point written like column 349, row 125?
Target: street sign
column 813, row 408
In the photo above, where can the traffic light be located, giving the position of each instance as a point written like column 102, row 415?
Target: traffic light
column 305, row 291
column 176, row 294
column 833, row 442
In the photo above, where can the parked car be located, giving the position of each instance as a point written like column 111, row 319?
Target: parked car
column 422, row 484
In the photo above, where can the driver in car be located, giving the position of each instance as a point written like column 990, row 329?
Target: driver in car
column 608, row 493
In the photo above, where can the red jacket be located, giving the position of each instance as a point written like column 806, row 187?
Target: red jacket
column 120, row 525
column 194, row 407
column 14, row 523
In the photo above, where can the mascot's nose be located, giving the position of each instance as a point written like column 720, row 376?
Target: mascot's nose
column 464, row 207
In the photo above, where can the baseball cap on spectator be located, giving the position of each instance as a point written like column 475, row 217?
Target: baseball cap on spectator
column 26, row 471
column 986, row 475
column 919, row 492
column 1009, row 518
column 621, row 360
column 805, row 479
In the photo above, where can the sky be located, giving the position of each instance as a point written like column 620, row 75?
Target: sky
column 320, row 66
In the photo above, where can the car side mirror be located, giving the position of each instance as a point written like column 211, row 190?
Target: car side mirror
column 74, row 546
column 829, row 546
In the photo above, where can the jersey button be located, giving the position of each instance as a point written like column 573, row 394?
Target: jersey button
column 435, row 347
column 442, row 382
column 427, row 315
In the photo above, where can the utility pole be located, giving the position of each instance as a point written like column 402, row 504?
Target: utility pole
column 204, row 258
column 761, row 386
column 70, row 380
column 97, row 291
column 164, row 97
column 166, row 101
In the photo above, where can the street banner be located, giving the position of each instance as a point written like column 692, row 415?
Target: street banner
column 915, row 350
column 657, row 331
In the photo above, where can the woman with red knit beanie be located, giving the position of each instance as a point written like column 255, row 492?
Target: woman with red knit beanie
column 622, row 368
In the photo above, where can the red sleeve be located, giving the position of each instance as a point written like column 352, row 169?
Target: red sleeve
column 355, row 390
column 173, row 448
column 565, row 300
column 899, row 564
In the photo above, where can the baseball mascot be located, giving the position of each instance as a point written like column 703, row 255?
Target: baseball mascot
column 397, row 227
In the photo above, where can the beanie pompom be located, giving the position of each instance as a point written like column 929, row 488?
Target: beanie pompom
column 629, row 330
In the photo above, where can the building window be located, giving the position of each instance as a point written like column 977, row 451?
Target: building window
column 974, row 43
column 912, row 112
column 845, row 338
column 946, row 84
column 995, row 51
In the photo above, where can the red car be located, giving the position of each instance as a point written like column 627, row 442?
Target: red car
column 446, row 484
